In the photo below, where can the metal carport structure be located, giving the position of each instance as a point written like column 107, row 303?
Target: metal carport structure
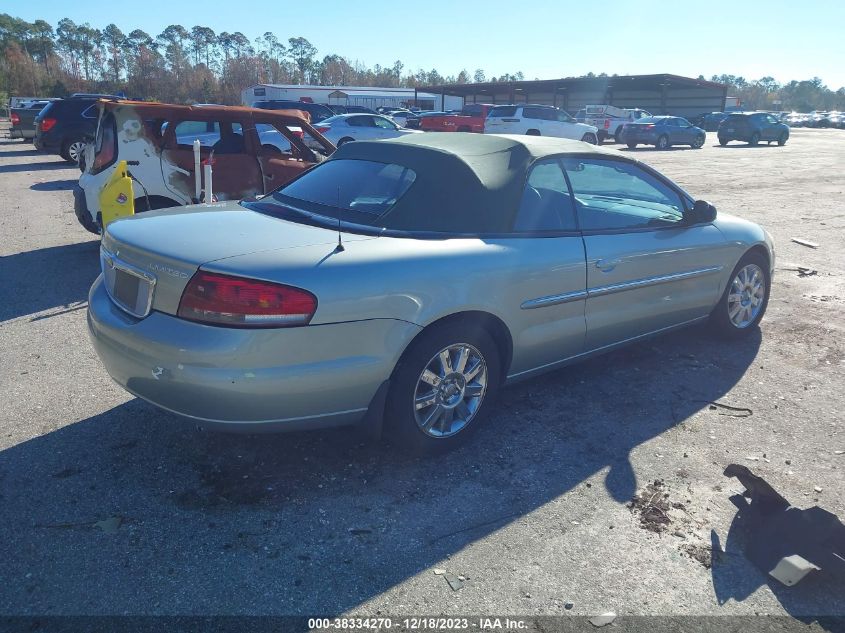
column 659, row 94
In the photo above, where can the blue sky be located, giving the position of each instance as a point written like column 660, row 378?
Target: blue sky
column 542, row 38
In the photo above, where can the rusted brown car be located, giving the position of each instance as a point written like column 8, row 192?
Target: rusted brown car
column 252, row 152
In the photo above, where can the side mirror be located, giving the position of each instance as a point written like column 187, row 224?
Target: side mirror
column 703, row 211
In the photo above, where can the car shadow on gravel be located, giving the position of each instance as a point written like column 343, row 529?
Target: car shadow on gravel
column 742, row 145
column 22, row 152
column 54, row 185
column 135, row 511
column 55, row 277
column 42, row 166
column 674, row 148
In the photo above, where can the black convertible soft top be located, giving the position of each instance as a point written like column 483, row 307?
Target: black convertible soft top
column 465, row 183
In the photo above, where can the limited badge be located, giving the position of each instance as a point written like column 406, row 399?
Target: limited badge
column 121, row 199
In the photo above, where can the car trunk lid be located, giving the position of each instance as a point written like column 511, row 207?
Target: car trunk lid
column 148, row 259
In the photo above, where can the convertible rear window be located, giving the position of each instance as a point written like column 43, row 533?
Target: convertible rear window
column 354, row 190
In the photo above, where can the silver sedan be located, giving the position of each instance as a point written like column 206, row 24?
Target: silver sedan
column 401, row 283
column 343, row 128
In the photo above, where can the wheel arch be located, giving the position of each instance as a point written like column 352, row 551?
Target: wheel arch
column 761, row 250
column 490, row 323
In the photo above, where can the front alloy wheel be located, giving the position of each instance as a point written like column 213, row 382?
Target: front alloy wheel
column 746, row 296
column 744, row 301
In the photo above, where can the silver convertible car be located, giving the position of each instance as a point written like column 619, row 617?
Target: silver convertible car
column 401, row 283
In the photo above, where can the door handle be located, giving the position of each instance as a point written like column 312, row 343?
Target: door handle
column 606, row 265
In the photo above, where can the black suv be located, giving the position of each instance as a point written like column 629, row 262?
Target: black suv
column 316, row 111
column 752, row 127
column 63, row 127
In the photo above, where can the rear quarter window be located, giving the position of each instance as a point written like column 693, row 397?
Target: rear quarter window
column 544, row 114
column 503, row 111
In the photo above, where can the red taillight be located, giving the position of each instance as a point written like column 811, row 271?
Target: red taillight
column 607, row 124
column 15, row 118
column 323, row 129
column 235, row 301
column 298, row 133
column 47, row 123
column 649, row 126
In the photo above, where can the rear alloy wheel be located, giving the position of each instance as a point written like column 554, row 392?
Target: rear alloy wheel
column 663, row 142
column 72, row 151
column 590, row 138
column 442, row 387
column 755, row 139
column 698, row 143
column 744, row 301
column 782, row 139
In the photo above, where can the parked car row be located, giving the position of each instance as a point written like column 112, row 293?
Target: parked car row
column 831, row 119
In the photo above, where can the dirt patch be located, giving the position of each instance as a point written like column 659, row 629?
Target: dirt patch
column 652, row 507
column 701, row 553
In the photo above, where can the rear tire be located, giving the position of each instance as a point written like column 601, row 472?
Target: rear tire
column 662, row 142
column 72, row 150
column 590, row 138
column 755, row 139
column 632, row 146
column 738, row 298
column 617, row 136
column 782, row 140
column 698, row 143
column 723, row 141
column 533, row 133
column 460, row 400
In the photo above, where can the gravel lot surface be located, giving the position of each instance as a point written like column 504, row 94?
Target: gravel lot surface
column 108, row 506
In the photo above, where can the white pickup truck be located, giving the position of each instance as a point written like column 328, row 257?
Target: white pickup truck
column 609, row 119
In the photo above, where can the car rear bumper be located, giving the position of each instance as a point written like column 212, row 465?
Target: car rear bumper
column 83, row 214
column 248, row 379
column 734, row 134
column 646, row 138
column 44, row 145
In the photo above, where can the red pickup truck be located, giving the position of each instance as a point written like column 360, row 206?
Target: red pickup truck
column 470, row 119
